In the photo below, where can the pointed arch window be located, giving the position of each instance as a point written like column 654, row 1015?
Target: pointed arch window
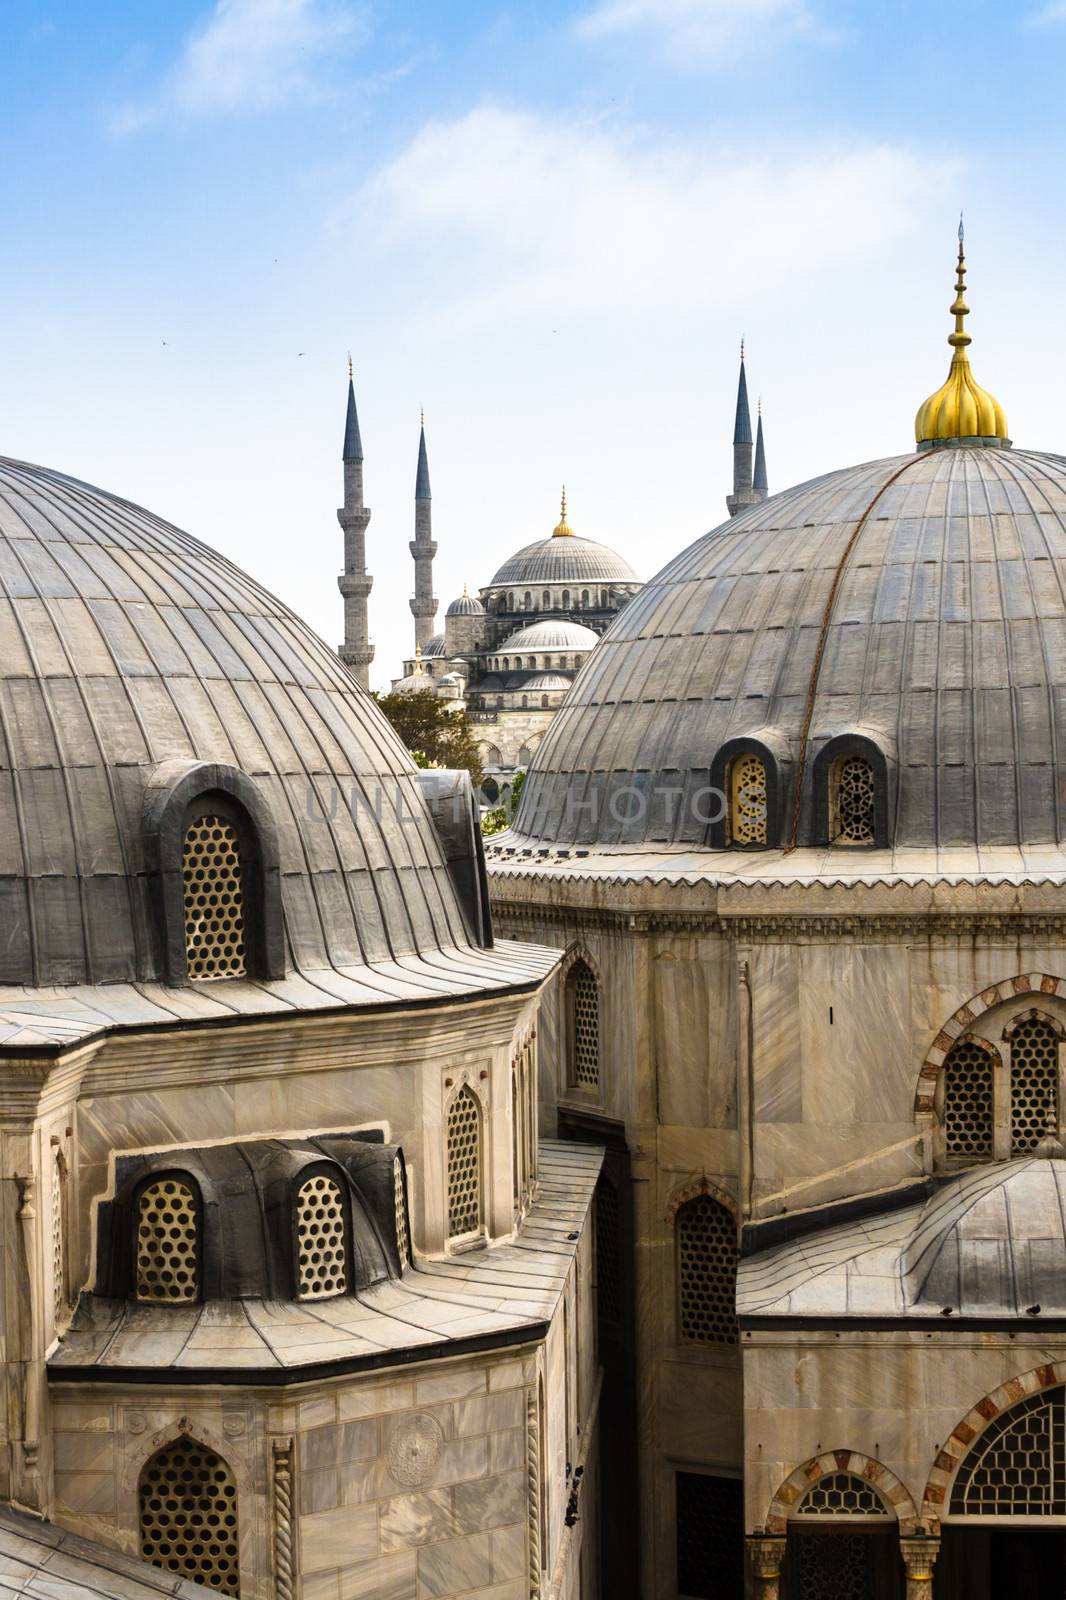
column 706, row 1272
column 1034, row 1080
column 321, row 1238
column 969, row 1101
column 464, row 1165
column 583, row 1026
column 188, row 1516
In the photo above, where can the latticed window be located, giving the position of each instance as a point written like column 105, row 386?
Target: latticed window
column 464, row 1164
column 59, row 1245
column 842, row 1494
column 853, row 786
column 403, row 1247
column 710, row 1536
column 188, row 1515
column 707, row 1272
column 969, row 1089
column 608, row 1255
column 214, row 900
column 747, row 801
column 320, row 1238
column 1018, row 1466
column 167, row 1217
column 836, row 1566
column 1034, row 1082
column 583, row 1005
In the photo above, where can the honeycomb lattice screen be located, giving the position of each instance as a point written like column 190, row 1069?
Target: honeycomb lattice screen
column 584, row 994
column 59, row 1251
column 969, row 1078
column 855, row 801
column 747, row 801
column 320, row 1241
column 842, row 1494
column 1018, row 1466
column 835, row 1566
column 167, row 1242
column 188, row 1514
column 214, row 900
column 403, row 1248
column 707, row 1272
column 1034, row 1082
column 608, row 1253
column 710, row 1536
column 464, row 1165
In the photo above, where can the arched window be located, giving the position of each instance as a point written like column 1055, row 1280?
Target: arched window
column 583, row 1026
column 1034, row 1081
column 525, row 700
column 527, row 601
column 525, row 756
column 60, row 1296
column 969, row 1108
column 188, row 1515
column 167, row 1244
column 1017, row 1467
column 403, row 1236
column 584, row 599
column 510, row 602
column 843, row 1494
column 852, row 815
column 464, row 1165
column 214, row 899
column 531, row 663
column 544, row 701
column 321, row 1255
column 706, row 1272
column 748, row 809
column 566, row 599
column 603, row 599
column 546, row 600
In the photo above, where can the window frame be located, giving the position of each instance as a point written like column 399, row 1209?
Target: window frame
column 478, row 1234
column 720, row 828
column 572, row 1089
column 825, row 771
column 713, row 1351
column 335, row 1172
column 188, row 1179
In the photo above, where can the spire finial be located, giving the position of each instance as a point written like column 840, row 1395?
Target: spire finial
column 421, row 416
column 742, row 347
column 466, row 592
column 349, row 366
column 562, row 529
column 960, row 410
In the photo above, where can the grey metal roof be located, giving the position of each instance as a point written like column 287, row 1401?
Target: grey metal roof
column 467, row 605
column 126, row 644
column 742, row 421
column 422, row 473
column 434, row 646
column 353, row 444
column 44, row 1562
column 566, row 560
column 436, row 1304
column 549, row 635
column 991, row 1244
column 945, row 641
column 548, row 680
column 759, row 480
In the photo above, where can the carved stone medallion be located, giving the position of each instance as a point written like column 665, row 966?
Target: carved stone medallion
column 414, row 1448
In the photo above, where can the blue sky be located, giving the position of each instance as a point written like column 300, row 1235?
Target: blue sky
column 547, row 223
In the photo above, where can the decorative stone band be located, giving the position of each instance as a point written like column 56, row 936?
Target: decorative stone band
column 533, row 1488
column 888, row 1486
column 284, row 1552
column 967, row 1015
column 693, row 1191
column 973, row 1424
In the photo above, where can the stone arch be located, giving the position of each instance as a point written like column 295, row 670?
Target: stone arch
column 892, row 1491
column 693, row 1189
column 140, row 1446
column 1034, row 1014
column 966, row 1433
column 966, row 1016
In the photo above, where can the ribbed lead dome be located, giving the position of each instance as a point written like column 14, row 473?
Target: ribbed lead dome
column 935, row 583
column 125, row 646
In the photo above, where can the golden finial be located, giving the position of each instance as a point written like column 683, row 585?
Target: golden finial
column 466, row 592
column 418, row 658
column 562, row 529
column 960, row 410
column 349, row 366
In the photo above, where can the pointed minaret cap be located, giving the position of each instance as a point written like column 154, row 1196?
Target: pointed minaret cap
column 960, row 412
column 353, row 444
column 742, row 425
column 422, row 475
column 759, row 483
column 562, row 529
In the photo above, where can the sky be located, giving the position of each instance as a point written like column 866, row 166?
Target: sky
column 548, row 223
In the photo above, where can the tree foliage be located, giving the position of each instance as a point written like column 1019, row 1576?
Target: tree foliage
column 435, row 735
column 501, row 816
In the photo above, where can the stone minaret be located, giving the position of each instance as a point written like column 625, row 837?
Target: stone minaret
column 355, row 583
column 424, row 601
column 759, row 485
column 745, row 492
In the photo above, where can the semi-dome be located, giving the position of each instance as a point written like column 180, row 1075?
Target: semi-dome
column 540, row 681
column 915, row 602
column 467, row 605
column 564, row 558
column 549, row 635
column 434, row 646
column 136, row 662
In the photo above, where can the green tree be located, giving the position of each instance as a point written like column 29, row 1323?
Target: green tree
column 501, row 816
column 435, row 735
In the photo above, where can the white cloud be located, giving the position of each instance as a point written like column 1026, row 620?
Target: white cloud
column 699, row 30
column 1049, row 16
column 250, row 55
column 529, row 213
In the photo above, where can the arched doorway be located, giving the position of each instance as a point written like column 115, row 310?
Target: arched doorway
column 1004, row 1532
column 843, row 1543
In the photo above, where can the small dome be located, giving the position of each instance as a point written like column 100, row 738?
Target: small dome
column 451, row 678
column 434, row 646
column 993, row 1240
column 417, row 682
column 467, row 605
column 550, row 636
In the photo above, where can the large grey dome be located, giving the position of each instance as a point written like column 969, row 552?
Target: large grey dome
column 130, row 650
column 568, row 560
column 917, row 601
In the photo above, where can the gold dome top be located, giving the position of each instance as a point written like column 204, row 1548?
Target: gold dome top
column 960, row 408
column 562, row 529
